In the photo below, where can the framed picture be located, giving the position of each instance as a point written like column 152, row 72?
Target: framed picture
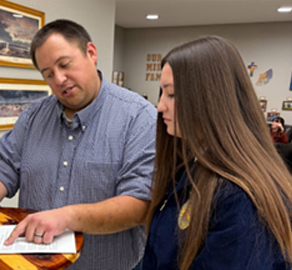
column 263, row 104
column 18, row 25
column 16, row 95
column 118, row 78
column 287, row 105
column 271, row 116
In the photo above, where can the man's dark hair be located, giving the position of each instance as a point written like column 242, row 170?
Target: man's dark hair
column 70, row 30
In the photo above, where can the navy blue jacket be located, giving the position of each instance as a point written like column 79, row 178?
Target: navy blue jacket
column 236, row 239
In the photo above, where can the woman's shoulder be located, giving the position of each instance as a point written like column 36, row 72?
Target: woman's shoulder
column 236, row 236
column 232, row 205
column 227, row 189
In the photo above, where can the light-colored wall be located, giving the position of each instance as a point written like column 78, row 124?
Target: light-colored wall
column 97, row 17
column 269, row 45
column 119, row 48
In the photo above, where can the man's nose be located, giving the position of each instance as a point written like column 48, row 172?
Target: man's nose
column 60, row 78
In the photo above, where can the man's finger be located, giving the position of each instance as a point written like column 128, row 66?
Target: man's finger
column 48, row 238
column 18, row 231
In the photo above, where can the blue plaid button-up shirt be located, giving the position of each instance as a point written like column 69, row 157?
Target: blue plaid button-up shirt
column 108, row 150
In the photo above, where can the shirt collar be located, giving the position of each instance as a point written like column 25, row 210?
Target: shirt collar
column 84, row 116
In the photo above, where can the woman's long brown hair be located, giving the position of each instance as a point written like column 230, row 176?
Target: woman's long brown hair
column 222, row 125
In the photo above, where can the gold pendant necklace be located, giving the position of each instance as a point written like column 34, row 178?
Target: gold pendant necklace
column 184, row 216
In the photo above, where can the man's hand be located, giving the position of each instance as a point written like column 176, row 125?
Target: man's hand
column 39, row 227
column 110, row 216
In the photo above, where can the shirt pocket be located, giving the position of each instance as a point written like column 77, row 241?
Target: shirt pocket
column 101, row 179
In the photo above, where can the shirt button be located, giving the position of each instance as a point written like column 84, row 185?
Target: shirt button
column 70, row 138
column 83, row 127
column 62, row 188
column 65, row 163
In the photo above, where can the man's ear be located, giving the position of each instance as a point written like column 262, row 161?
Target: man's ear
column 91, row 51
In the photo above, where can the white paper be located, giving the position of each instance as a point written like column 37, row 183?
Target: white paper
column 64, row 243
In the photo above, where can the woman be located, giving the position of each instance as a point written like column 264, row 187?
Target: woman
column 221, row 194
column 278, row 133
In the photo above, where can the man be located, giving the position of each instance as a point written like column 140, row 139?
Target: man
column 85, row 152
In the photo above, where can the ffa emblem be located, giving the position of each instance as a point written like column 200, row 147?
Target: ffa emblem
column 184, row 216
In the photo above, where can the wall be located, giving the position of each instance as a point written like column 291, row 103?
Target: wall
column 97, row 17
column 119, row 48
column 269, row 45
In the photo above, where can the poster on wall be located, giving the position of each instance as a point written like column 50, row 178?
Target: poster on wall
column 16, row 95
column 272, row 115
column 118, row 78
column 265, row 77
column 18, row 25
column 263, row 104
column 291, row 83
column 287, row 105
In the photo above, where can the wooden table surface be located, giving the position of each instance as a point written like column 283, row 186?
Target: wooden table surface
column 43, row 261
